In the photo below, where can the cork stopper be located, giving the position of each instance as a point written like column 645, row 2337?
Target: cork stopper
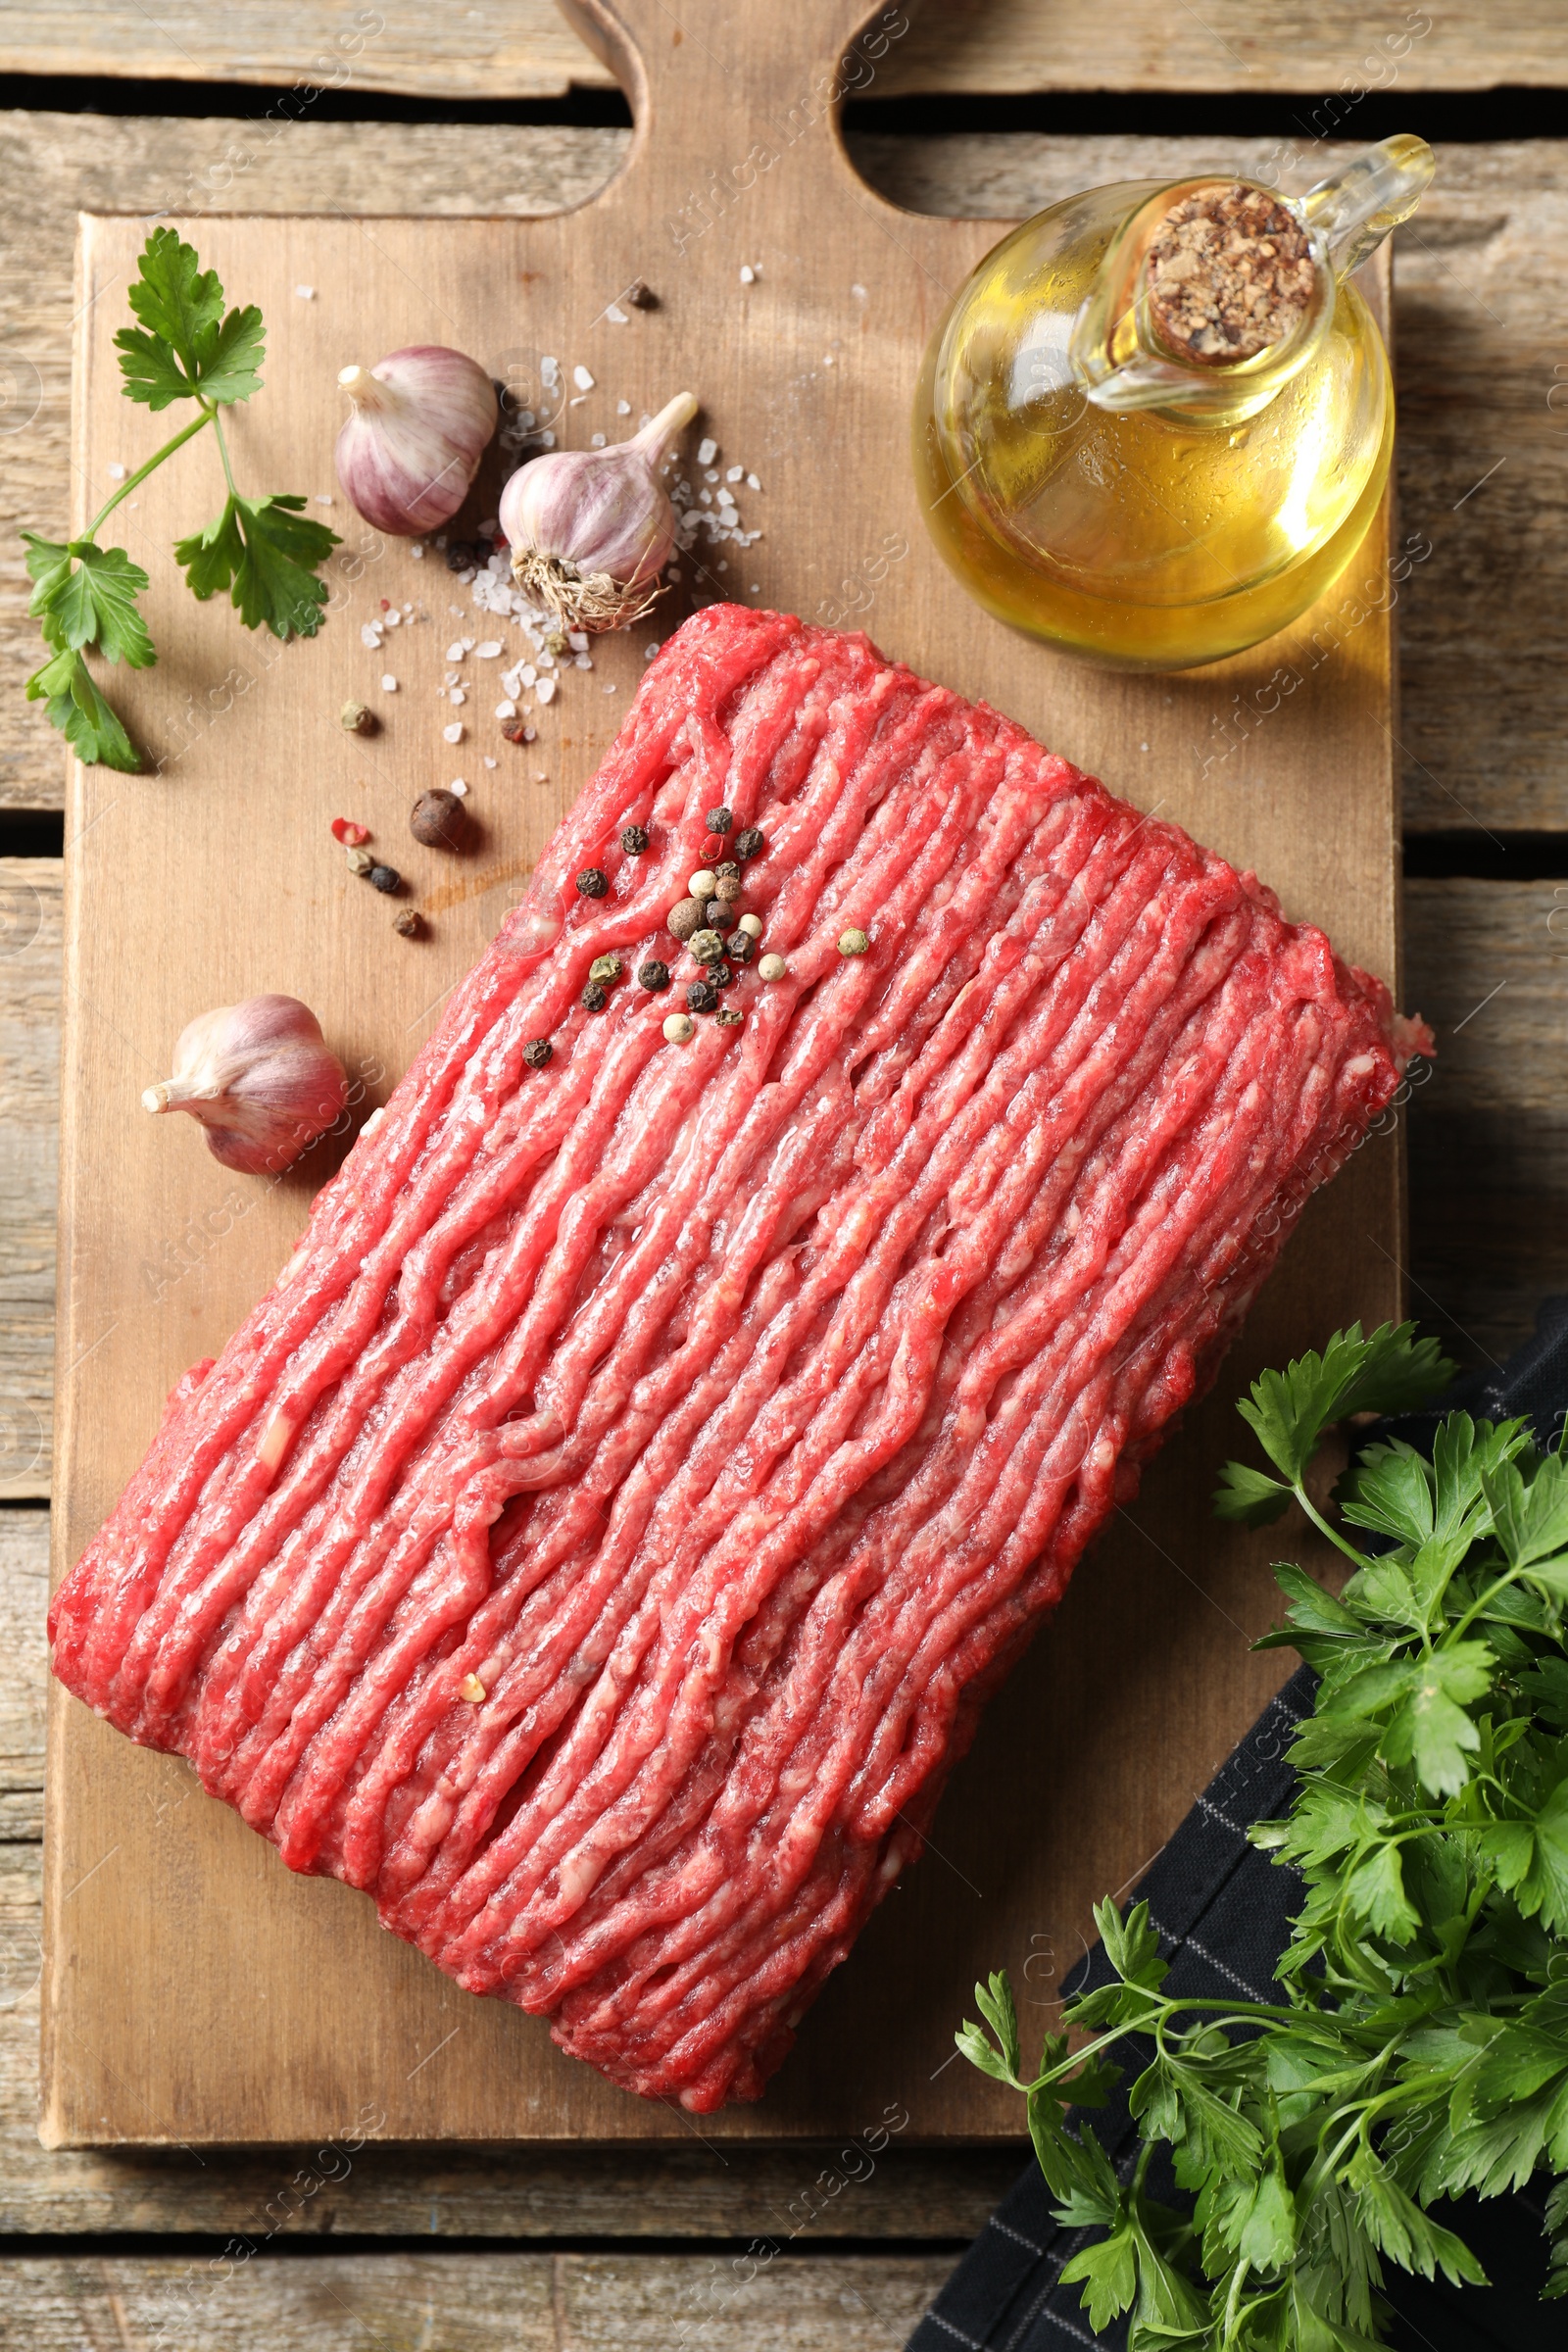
column 1229, row 272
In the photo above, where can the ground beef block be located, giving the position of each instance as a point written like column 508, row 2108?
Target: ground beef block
column 598, row 1545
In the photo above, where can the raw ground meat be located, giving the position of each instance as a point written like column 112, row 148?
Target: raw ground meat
column 601, row 1542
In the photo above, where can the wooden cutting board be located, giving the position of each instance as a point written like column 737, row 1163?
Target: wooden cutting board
column 194, row 1990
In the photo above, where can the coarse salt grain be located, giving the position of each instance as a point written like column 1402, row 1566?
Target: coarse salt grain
column 116, row 471
column 581, row 662
column 389, row 684
column 306, row 293
column 489, row 763
column 323, row 498
column 457, row 694
column 752, row 482
column 545, row 690
column 549, row 368
column 858, row 291
column 371, row 634
column 610, row 690
column 623, row 407
column 577, row 639
column 735, row 473
column 416, row 551
column 488, row 651
column 393, row 618
column 649, row 651
column 506, row 710
column 707, row 452
column 453, row 733
column 748, row 275
column 615, row 315
column 582, row 379
column 459, row 788
column 455, row 652
column 597, row 441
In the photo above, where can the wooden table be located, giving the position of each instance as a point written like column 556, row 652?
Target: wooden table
column 470, row 2250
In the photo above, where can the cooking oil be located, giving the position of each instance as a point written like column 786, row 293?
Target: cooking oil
column 1100, row 489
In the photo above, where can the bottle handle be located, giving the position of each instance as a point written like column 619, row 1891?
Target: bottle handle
column 1354, row 210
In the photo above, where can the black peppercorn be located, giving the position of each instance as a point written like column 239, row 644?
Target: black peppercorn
column 701, row 998
column 459, row 555
column 728, row 1018
column 720, row 916
column 653, row 974
column 592, row 883
column 595, row 998
column 384, row 877
column 719, row 820
column 729, row 871
column 634, row 840
column 750, row 842
column 741, row 945
column 537, row 1052
column 721, row 975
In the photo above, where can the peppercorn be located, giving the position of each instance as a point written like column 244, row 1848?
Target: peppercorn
column 719, row 821
column 721, row 975
column 740, row 945
column 361, row 862
column 634, row 840
column 384, row 877
column 772, row 967
column 439, row 820
column 592, row 882
column 605, row 968
column 707, row 946
column 750, row 844
column 729, row 1018
column 685, row 917
column 462, row 556
column 701, row 998
column 751, row 925
column 719, row 916
column 729, row 871
column 557, row 642
column 679, row 1028
column 653, row 974
column 410, row 924
column 853, row 942
column 537, row 1052
column 726, row 889
column 701, row 884
column 595, row 998
column 359, row 718
column 516, row 730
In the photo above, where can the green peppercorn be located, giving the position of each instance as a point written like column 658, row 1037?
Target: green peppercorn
column 634, row 840
column 707, row 946
column 594, row 997
column 537, row 1052
column 653, row 974
column 701, row 998
column 853, row 942
column 384, row 877
column 719, row 820
column 592, row 883
column 605, row 968
column 750, row 844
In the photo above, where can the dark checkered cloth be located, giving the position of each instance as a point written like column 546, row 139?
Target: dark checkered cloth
column 1224, row 1911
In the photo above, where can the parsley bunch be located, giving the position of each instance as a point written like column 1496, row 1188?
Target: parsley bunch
column 1419, row 2047
column 263, row 550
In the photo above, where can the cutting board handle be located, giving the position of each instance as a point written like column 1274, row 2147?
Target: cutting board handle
column 722, row 87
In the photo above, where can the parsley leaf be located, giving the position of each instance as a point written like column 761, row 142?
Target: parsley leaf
column 74, row 705
column 1392, row 1372
column 266, row 553
column 93, row 604
column 185, row 348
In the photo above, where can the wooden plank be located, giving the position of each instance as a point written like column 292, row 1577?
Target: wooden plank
column 254, row 2037
column 480, row 2302
column 527, row 50
column 29, row 1092
column 1480, row 277
column 1488, row 963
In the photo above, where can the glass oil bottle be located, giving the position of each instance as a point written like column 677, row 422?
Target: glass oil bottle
column 1104, row 473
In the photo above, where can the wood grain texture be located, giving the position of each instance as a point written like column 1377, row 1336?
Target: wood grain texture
column 29, row 1090
column 324, row 2019
column 524, row 49
column 1487, row 736
column 470, row 2302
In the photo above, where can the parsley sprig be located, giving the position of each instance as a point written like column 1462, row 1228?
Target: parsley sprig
column 265, row 552
column 1419, row 2047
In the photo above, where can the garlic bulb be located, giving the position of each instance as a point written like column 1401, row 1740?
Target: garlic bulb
column 423, row 420
column 259, row 1078
column 591, row 529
